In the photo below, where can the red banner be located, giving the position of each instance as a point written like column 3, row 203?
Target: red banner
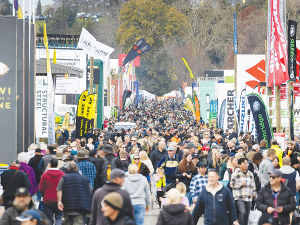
column 277, row 48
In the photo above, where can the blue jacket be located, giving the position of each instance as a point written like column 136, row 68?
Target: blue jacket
column 76, row 193
column 215, row 207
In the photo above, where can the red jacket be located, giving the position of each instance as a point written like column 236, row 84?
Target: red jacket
column 48, row 185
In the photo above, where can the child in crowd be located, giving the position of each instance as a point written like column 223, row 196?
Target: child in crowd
column 160, row 180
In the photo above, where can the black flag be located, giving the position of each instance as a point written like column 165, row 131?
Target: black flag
column 261, row 118
column 292, row 52
column 137, row 49
column 292, row 115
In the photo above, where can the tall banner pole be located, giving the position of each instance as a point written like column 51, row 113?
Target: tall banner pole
column 24, row 73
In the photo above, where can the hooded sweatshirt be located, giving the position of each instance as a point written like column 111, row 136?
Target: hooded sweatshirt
column 48, row 184
column 138, row 188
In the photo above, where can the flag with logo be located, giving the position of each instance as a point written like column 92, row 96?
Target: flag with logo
column 222, row 114
column 66, row 120
column 261, row 118
column 243, row 125
column 292, row 115
column 50, row 93
column 292, row 50
column 140, row 47
column 236, row 112
column 277, row 68
column 80, row 117
column 235, row 43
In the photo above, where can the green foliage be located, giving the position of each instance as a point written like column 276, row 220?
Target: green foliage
column 5, row 8
column 79, row 24
column 151, row 19
column 62, row 21
column 39, row 8
column 157, row 73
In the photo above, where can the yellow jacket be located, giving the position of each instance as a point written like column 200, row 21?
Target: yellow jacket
column 159, row 181
column 279, row 153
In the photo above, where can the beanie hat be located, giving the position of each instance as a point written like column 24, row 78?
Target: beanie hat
column 213, row 145
column 114, row 200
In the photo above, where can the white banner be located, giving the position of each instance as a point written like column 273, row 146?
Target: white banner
column 243, row 126
column 51, row 116
column 67, row 86
column 93, row 47
column 41, row 107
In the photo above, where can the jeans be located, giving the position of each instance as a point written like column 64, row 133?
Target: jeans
column 73, row 220
column 189, row 197
column 139, row 214
column 51, row 209
column 243, row 209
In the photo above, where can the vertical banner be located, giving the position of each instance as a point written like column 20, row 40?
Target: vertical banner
column 292, row 51
column 261, row 118
column 41, row 106
column 80, row 121
column 235, row 43
column 136, row 86
column 66, row 120
column 277, row 44
column 243, row 126
column 90, row 106
column 236, row 109
column 51, row 95
column 222, row 114
column 197, row 107
column 252, row 127
column 292, row 115
column 8, row 88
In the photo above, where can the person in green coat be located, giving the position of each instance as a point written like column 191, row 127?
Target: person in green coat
column 223, row 165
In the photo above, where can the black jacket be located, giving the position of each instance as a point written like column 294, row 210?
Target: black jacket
column 98, row 182
column 20, row 180
column 34, row 163
column 120, row 220
column 285, row 198
column 174, row 214
column 156, row 156
column 185, row 179
column 93, row 160
column 97, row 216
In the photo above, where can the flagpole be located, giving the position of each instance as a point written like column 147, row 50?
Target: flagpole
column 24, row 75
column 33, row 8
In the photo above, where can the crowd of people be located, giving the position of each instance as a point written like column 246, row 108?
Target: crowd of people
column 193, row 170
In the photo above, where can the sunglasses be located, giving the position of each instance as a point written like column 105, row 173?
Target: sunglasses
column 136, row 158
column 123, row 147
column 273, row 177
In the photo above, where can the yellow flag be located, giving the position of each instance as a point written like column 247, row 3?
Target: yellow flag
column 47, row 51
column 20, row 14
column 187, row 66
column 244, row 1
column 66, row 120
column 54, row 56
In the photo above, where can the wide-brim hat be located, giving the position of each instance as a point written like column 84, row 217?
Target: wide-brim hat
column 81, row 154
column 107, row 149
column 59, row 154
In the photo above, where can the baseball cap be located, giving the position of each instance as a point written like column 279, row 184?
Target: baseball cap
column 30, row 214
column 171, row 148
column 265, row 219
column 195, row 156
column 22, row 191
column 15, row 161
column 201, row 164
column 117, row 173
column 277, row 173
column 190, row 145
column 69, row 158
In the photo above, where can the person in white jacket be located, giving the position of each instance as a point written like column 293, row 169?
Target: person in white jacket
column 145, row 159
column 137, row 187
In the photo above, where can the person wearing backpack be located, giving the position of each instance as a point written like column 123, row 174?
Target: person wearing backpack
column 106, row 165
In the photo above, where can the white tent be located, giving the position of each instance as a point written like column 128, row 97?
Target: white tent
column 146, row 95
column 172, row 94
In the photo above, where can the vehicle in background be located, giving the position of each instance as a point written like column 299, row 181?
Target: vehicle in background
column 125, row 125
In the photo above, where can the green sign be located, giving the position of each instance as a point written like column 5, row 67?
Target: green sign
column 213, row 119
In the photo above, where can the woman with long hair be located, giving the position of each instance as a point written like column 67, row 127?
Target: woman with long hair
column 215, row 162
column 232, row 164
column 223, row 165
column 185, row 171
column 145, row 159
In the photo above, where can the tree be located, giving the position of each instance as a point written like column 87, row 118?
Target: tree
column 158, row 23
column 5, row 8
column 39, row 8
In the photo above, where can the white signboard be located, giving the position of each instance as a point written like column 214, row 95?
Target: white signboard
column 60, row 54
column 67, row 86
column 41, row 111
column 61, row 110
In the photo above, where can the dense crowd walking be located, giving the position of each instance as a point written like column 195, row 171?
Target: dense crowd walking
column 193, row 170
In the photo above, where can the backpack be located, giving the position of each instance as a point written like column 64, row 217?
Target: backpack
column 108, row 166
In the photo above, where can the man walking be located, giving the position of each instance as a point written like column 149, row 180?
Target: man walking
column 243, row 190
column 158, row 154
column 169, row 163
column 46, row 159
column 87, row 168
column 48, row 185
column 73, row 196
column 214, row 202
column 11, row 180
column 275, row 200
column 266, row 167
column 115, row 184
column 34, row 163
